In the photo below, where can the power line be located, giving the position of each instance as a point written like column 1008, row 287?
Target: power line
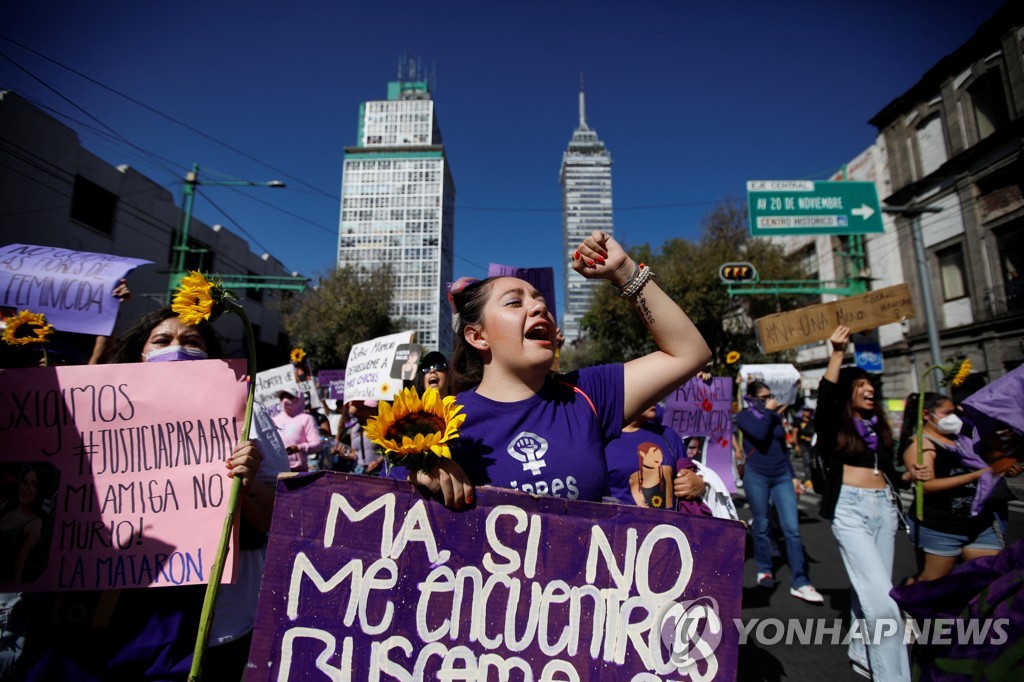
column 174, row 120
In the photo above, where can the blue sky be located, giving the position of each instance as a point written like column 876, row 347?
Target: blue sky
column 692, row 99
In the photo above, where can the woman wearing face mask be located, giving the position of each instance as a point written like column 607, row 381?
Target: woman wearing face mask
column 149, row 634
column 948, row 531
column 768, row 477
column 856, row 444
column 298, row 430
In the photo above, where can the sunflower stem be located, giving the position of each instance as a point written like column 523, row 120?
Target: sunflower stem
column 919, row 485
column 217, row 570
column 46, row 357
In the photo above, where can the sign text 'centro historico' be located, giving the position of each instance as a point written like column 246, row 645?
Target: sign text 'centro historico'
column 793, row 207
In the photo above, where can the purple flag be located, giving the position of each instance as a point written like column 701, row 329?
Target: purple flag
column 72, row 288
column 367, row 575
column 543, row 279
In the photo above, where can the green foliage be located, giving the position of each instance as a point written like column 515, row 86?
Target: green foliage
column 348, row 306
column 688, row 272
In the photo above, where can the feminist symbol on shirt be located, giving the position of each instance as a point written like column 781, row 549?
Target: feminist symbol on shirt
column 529, row 448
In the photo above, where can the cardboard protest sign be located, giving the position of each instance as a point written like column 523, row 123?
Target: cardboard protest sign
column 123, row 466
column 72, row 288
column 372, row 372
column 333, row 380
column 702, row 416
column 782, row 331
column 543, row 280
column 782, row 378
column 270, row 381
column 365, row 575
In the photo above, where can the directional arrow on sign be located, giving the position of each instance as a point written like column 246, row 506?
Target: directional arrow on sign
column 864, row 211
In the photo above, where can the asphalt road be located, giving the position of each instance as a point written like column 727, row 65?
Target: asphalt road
column 794, row 662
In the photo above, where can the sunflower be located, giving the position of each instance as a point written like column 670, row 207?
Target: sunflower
column 415, row 430
column 298, row 355
column 732, row 357
column 385, row 389
column 199, row 299
column 958, row 372
column 657, row 502
column 27, row 327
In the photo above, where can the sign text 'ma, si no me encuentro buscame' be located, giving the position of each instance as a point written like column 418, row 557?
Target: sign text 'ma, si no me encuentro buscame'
column 794, row 207
column 367, row 579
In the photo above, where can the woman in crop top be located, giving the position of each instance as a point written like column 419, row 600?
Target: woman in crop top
column 856, row 444
column 948, row 529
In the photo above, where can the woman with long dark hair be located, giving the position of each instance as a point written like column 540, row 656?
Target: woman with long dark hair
column 856, row 443
column 22, row 524
column 948, row 530
column 528, row 430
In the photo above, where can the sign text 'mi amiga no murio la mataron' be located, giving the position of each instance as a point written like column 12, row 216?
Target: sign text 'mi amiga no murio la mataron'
column 114, row 476
column 368, row 579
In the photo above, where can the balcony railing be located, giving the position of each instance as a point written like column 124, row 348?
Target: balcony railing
column 1005, row 300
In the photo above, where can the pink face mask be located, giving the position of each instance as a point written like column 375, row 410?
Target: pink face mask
column 175, row 354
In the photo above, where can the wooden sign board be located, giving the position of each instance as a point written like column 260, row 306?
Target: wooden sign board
column 817, row 322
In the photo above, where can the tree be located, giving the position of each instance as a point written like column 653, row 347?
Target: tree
column 346, row 307
column 688, row 272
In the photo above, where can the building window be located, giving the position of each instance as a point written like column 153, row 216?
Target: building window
column 198, row 256
column 952, row 273
column 254, row 293
column 93, row 205
column 931, row 144
column 989, row 101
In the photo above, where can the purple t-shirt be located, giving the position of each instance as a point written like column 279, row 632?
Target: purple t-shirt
column 623, row 461
column 549, row 444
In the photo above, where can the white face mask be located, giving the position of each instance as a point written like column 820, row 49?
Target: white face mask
column 949, row 425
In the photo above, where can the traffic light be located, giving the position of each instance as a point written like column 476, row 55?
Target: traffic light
column 737, row 272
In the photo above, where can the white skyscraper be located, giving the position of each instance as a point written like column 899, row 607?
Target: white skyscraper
column 398, row 206
column 586, row 206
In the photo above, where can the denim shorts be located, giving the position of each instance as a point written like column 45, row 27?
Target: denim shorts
column 938, row 543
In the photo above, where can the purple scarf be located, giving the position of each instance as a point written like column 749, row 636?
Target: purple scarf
column 866, row 430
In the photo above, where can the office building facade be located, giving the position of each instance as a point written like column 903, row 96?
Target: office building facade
column 398, row 208
column 586, row 179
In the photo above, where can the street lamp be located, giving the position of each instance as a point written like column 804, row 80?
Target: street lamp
column 182, row 248
column 924, row 275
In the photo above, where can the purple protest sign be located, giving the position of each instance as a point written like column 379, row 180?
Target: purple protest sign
column 366, row 576
column 72, row 288
column 702, row 415
column 543, row 279
column 334, row 380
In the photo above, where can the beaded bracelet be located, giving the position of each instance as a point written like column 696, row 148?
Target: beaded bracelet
column 636, row 282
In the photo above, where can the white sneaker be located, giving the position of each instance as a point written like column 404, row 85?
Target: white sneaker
column 808, row 594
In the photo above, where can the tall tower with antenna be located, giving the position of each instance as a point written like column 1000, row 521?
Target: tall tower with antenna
column 586, row 178
column 398, row 203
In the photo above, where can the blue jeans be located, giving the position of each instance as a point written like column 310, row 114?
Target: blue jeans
column 865, row 528
column 778, row 488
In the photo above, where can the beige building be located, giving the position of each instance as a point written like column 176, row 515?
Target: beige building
column 952, row 141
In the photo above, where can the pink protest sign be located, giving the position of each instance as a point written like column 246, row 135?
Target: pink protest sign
column 74, row 289
column 113, row 476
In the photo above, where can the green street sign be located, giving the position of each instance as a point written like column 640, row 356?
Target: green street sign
column 793, row 207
